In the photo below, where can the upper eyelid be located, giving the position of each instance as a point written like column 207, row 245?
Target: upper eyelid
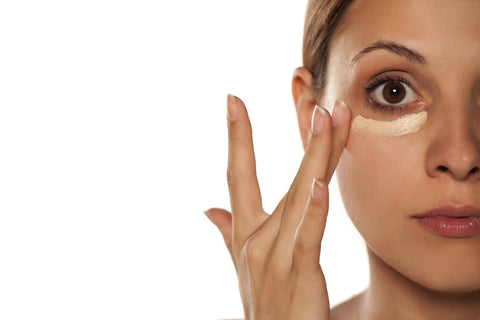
column 375, row 81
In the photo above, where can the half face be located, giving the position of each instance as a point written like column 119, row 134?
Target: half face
column 410, row 72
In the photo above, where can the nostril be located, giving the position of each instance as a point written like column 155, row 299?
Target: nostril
column 443, row 168
column 473, row 171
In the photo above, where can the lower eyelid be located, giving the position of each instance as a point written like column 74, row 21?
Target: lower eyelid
column 376, row 106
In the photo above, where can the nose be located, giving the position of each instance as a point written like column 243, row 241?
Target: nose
column 454, row 150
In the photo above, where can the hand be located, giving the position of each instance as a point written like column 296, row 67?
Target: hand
column 277, row 256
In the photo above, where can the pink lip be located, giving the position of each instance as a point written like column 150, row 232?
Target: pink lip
column 450, row 221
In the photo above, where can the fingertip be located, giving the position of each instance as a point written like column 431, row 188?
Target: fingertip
column 208, row 214
column 232, row 108
column 317, row 190
column 340, row 114
column 222, row 219
column 348, row 114
column 219, row 217
column 211, row 215
column 319, row 120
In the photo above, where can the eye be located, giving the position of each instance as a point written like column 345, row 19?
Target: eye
column 391, row 93
column 394, row 93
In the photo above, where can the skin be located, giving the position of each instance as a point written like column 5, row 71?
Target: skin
column 382, row 184
column 277, row 256
column 384, row 180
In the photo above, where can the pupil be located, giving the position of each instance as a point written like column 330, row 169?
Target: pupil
column 394, row 92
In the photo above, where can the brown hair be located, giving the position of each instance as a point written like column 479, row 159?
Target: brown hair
column 321, row 20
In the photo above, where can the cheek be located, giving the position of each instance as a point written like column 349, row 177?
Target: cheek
column 376, row 176
column 383, row 182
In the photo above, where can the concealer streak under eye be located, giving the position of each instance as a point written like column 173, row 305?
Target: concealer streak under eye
column 405, row 125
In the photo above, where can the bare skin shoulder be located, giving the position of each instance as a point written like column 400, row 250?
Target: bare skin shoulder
column 347, row 309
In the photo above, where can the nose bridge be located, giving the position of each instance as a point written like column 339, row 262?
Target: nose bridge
column 454, row 147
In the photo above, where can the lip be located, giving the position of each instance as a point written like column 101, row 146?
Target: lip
column 450, row 221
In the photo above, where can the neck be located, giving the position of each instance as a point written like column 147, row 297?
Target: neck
column 391, row 295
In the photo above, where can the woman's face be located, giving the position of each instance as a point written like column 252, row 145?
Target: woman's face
column 423, row 61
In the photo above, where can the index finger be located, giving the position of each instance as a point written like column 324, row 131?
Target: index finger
column 245, row 197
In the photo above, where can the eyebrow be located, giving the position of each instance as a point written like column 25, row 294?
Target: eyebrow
column 393, row 47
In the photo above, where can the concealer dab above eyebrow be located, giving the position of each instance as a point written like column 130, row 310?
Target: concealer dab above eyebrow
column 405, row 125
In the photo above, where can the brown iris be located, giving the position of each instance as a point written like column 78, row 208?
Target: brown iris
column 394, row 92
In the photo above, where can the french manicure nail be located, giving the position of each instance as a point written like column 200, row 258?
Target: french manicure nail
column 316, row 191
column 318, row 120
column 338, row 114
column 231, row 108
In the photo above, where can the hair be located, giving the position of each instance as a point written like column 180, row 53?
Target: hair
column 321, row 20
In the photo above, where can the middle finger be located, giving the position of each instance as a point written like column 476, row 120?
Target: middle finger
column 314, row 165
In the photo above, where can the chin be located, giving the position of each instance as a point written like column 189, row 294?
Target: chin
column 453, row 286
column 451, row 270
column 453, row 267
column 453, row 278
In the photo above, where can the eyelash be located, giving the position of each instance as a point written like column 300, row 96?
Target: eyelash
column 379, row 81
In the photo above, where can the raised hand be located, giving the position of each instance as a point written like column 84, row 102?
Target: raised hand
column 277, row 256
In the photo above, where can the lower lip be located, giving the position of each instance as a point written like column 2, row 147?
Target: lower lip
column 451, row 227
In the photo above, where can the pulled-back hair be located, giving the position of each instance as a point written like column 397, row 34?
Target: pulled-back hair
column 321, row 20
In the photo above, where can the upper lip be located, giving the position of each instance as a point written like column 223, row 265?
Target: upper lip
column 451, row 212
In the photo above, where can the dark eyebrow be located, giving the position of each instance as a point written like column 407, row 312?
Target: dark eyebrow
column 393, row 47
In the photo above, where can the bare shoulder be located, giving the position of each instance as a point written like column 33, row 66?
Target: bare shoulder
column 347, row 309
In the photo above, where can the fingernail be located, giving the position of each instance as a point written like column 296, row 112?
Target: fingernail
column 316, row 191
column 208, row 215
column 338, row 114
column 318, row 120
column 231, row 108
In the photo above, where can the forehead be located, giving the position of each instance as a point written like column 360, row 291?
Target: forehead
column 434, row 27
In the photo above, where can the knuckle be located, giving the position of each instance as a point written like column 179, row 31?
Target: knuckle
column 313, row 151
column 233, row 135
column 302, row 246
column 239, row 131
column 279, row 263
column 230, row 175
column 253, row 252
column 279, row 271
column 296, row 197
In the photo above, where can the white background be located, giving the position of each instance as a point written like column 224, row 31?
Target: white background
column 113, row 142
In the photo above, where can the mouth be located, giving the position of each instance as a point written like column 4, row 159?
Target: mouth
column 451, row 222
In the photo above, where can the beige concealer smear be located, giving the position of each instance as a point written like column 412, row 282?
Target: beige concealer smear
column 405, row 125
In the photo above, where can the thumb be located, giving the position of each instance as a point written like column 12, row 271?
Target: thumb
column 223, row 220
